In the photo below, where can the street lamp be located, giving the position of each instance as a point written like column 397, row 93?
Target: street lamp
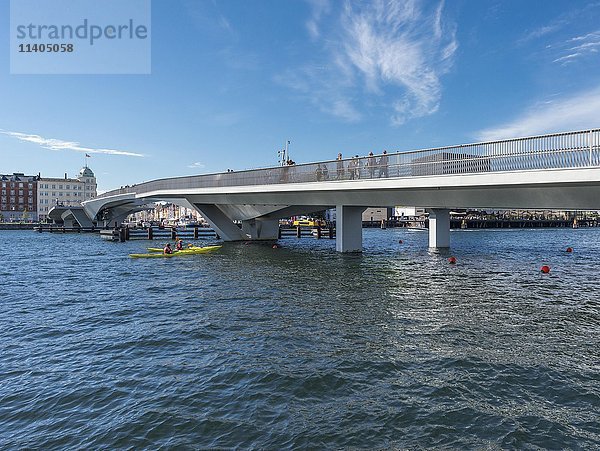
column 283, row 154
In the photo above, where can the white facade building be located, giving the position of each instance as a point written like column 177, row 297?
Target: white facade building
column 65, row 191
column 378, row 214
column 375, row 214
column 408, row 211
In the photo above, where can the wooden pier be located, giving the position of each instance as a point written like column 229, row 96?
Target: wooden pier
column 53, row 228
column 123, row 234
column 314, row 232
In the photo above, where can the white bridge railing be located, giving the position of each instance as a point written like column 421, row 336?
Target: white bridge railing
column 560, row 150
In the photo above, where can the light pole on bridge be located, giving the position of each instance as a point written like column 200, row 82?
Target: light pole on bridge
column 284, row 153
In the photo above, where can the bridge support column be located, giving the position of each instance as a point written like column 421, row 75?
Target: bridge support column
column 117, row 216
column 439, row 228
column 220, row 222
column 261, row 229
column 348, row 228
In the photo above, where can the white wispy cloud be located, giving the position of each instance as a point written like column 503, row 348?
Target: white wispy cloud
column 209, row 19
column 570, row 18
column 544, row 30
column 59, row 144
column 575, row 112
column 196, row 165
column 565, row 51
column 379, row 54
column 579, row 46
column 319, row 8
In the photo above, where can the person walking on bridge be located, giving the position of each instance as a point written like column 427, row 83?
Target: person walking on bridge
column 371, row 163
column 383, row 165
column 319, row 172
column 340, row 167
column 356, row 167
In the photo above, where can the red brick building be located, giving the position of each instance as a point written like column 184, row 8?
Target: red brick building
column 18, row 197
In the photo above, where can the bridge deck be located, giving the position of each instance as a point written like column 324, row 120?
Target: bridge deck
column 577, row 149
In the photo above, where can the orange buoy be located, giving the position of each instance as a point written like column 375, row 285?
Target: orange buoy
column 545, row 269
column 452, row 260
column 569, row 249
column 275, row 246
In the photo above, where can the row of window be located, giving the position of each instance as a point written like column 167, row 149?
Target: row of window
column 67, row 187
column 12, row 199
column 21, row 207
column 60, row 194
column 14, row 192
column 47, row 193
column 44, row 185
column 47, row 186
column 52, row 201
column 15, row 184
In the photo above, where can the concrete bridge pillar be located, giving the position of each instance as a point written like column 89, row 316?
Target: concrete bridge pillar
column 439, row 228
column 116, row 214
column 261, row 229
column 348, row 225
column 220, row 222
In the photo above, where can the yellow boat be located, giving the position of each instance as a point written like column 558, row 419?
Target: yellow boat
column 309, row 222
column 183, row 253
column 160, row 249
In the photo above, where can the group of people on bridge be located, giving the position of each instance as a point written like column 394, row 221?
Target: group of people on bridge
column 369, row 167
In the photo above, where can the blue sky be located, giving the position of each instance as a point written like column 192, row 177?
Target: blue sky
column 232, row 80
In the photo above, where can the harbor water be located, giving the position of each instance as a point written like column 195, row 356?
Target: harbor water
column 301, row 347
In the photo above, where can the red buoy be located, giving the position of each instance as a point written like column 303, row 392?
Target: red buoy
column 400, row 241
column 545, row 269
column 569, row 249
column 275, row 246
column 452, row 260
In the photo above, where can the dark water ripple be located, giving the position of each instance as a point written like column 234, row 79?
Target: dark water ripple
column 253, row 347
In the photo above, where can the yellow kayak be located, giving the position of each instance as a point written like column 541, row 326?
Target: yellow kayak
column 192, row 251
column 160, row 249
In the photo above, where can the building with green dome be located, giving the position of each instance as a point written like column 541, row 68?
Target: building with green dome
column 65, row 191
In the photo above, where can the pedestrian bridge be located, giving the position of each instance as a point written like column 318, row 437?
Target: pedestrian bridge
column 555, row 171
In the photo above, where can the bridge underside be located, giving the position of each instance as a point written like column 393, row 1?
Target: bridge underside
column 258, row 222
column 70, row 217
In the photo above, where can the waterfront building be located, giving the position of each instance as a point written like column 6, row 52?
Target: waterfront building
column 18, row 197
column 65, row 191
column 371, row 214
column 403, row 211
column 376, row 214
column 166, row 212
